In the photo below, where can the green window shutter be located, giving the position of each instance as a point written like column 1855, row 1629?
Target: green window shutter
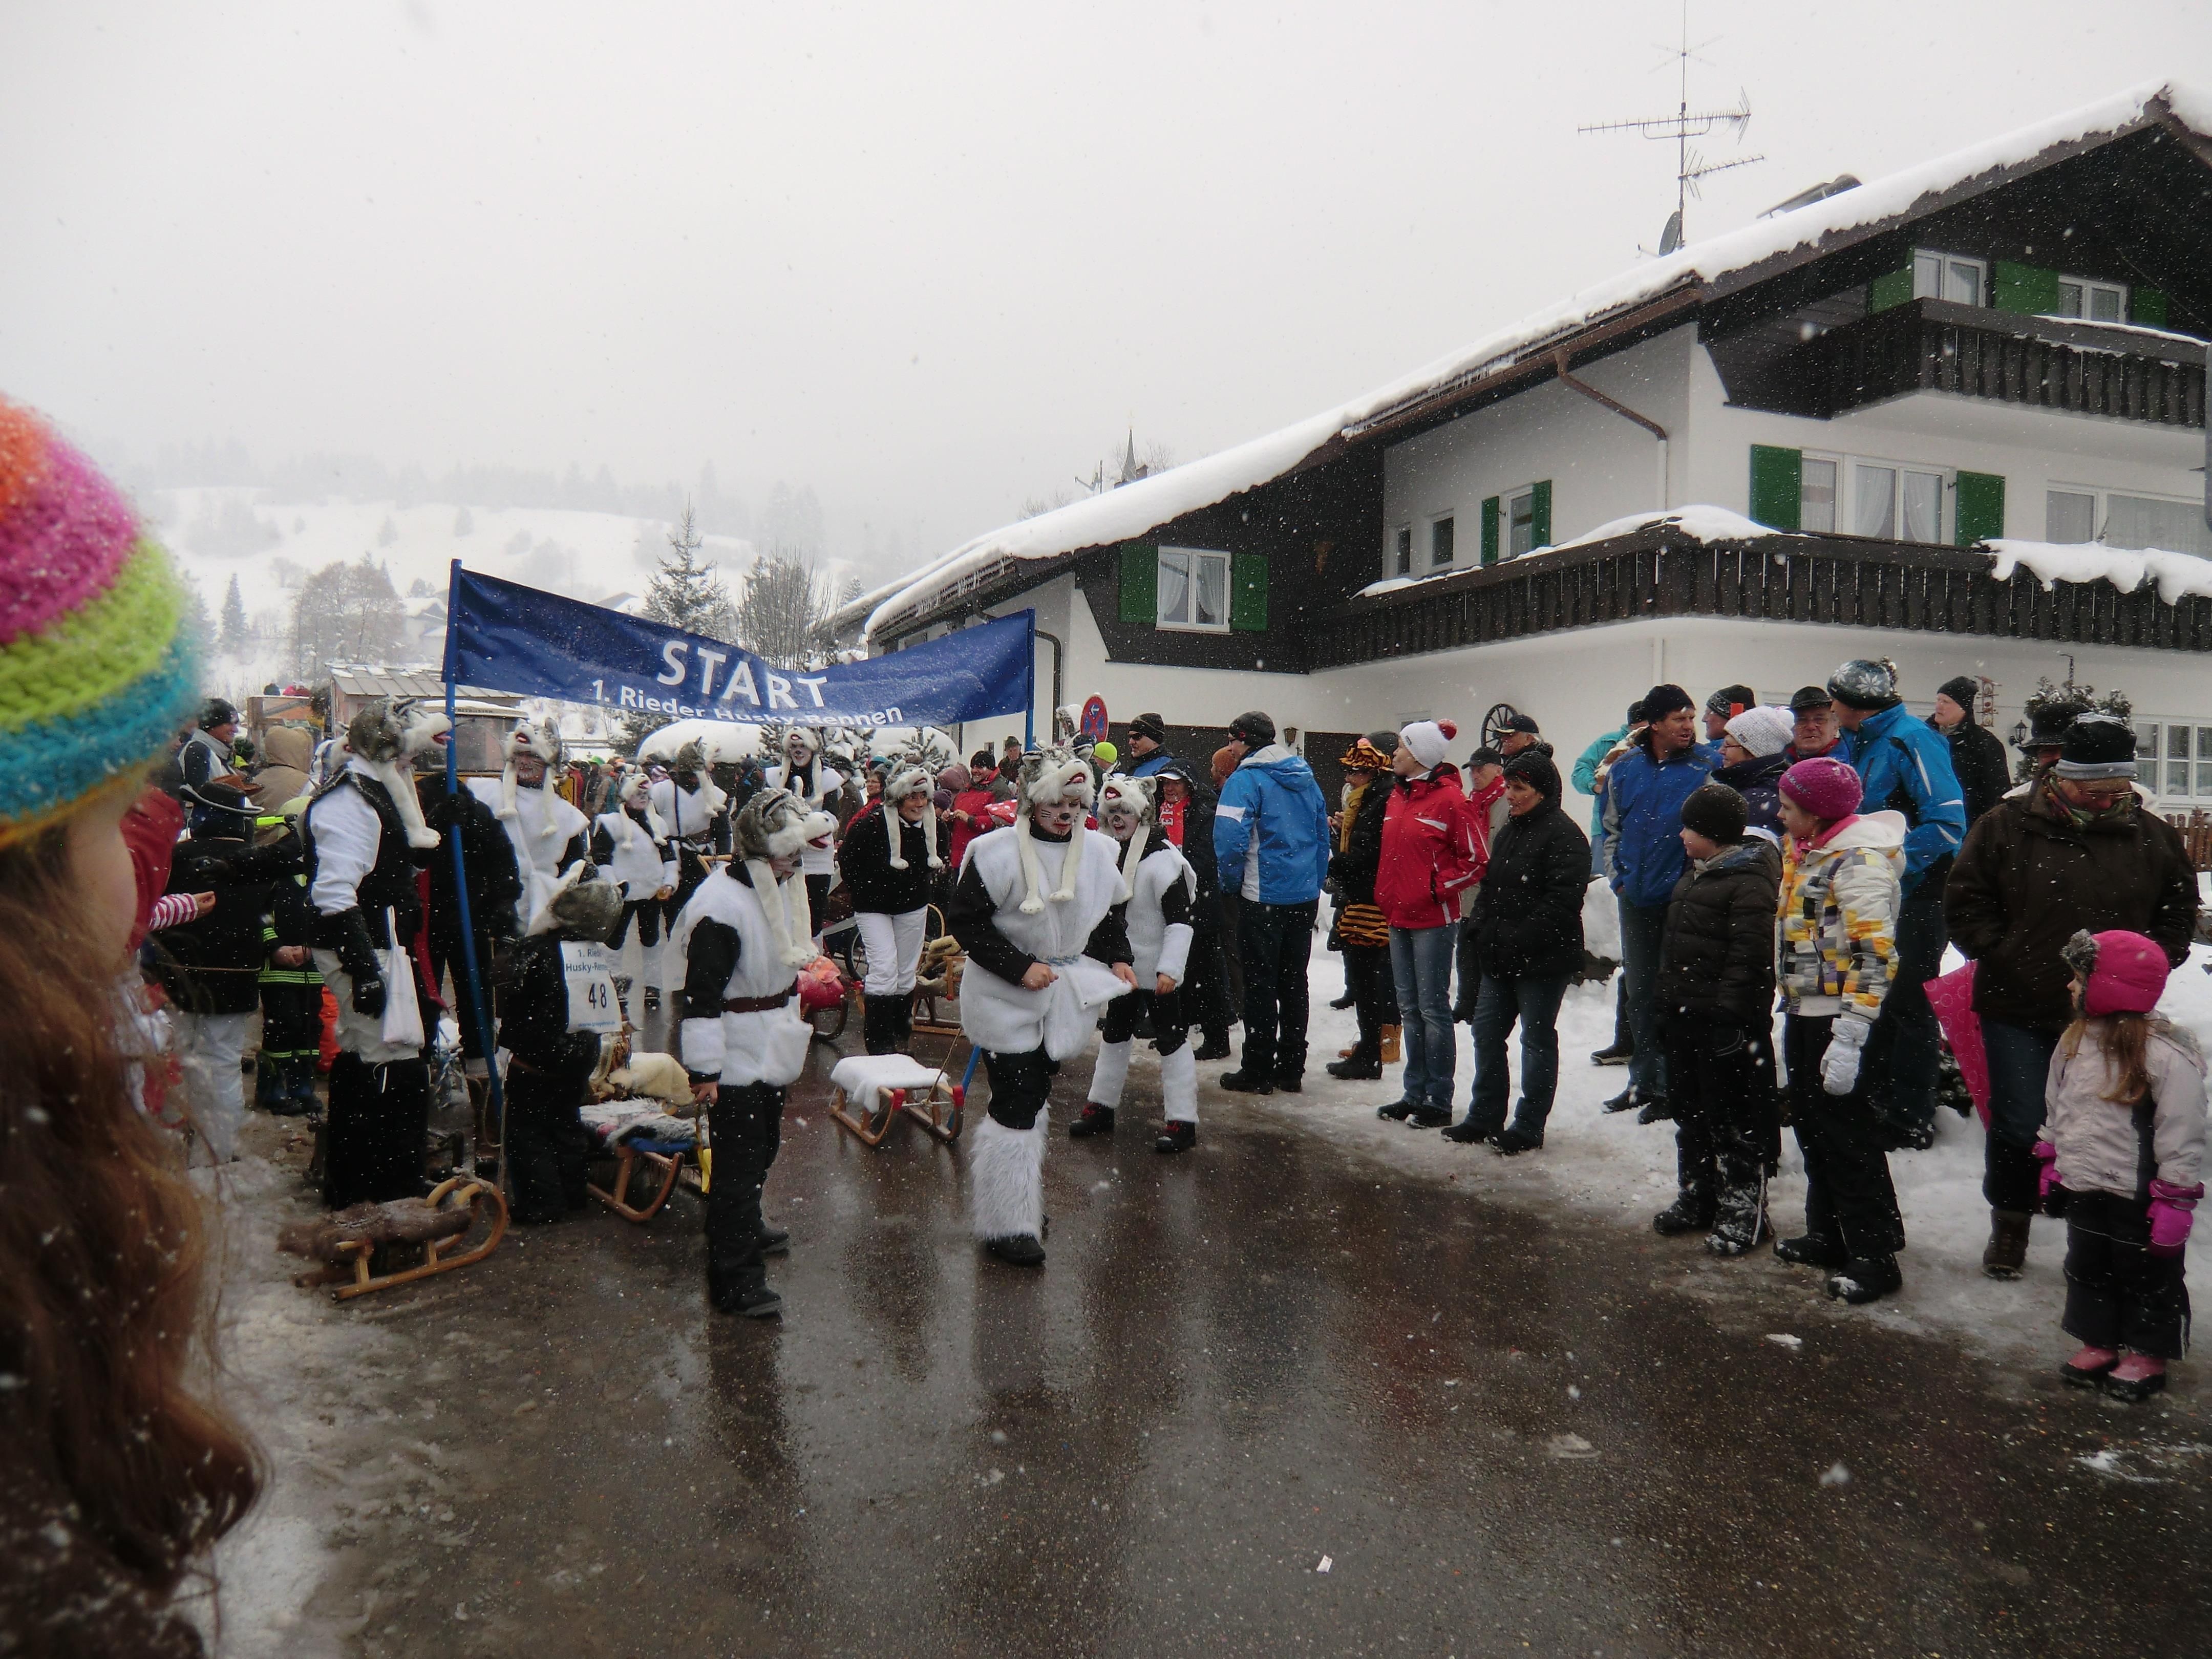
column 1248, row 592
column 2026, row 287
column 2147, row 305
column 1895, row 289
column 1490, row 530
column 1777, row 481
column 1981, row 507
column 1140, row 583
column 1539, row 513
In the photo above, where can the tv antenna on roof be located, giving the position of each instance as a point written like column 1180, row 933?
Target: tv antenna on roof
column 1684, row 124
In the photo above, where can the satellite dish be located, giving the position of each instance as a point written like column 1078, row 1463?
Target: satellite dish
column 1671, row 238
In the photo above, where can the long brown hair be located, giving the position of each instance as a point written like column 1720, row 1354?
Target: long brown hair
column 2122, row 1045
column 103, row 1303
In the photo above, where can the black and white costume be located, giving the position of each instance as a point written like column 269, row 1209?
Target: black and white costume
column 630, row 846
column 812, row 780
column 362, row 854
column 887, row 864
column 547, row 833
column 743, row 938
column 693, row 813
column 1161, row 888
column 1026, row 897
column 553, row 1044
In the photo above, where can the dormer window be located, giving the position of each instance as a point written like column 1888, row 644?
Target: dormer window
column 1950, row 276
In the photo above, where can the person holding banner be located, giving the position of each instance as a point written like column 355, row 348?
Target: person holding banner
column 805, row 777
column 742, row 940
column 365, row 838
column 551, row 1023
column 1035, row 911
column 631, row 844
column 548, row 833
column 691, row 807
column 889, row 857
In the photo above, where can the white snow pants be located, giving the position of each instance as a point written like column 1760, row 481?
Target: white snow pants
column 208, row 1051
column 1178, row 1079
column 893, row 946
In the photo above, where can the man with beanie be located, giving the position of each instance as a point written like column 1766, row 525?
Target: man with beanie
column 1147, row 745
column 1816, row 732
column 2074, row 851
column 1435, row 845
column 1527, row 933
column 1906, row 767
column 1645, row 790
column 1977, row 754
column 1272, row 824
column 214, row 787
column 1717, row 998
column 1723, row 705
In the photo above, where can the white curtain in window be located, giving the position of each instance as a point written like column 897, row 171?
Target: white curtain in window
column 1175, row 587
column 2140, row 521
column 2068, row 516
column 1923, row 507
column 1213, row 609
column 1873, row 500
column 1816, row 496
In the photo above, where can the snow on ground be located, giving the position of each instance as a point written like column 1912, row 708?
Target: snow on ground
column 1622, row 1173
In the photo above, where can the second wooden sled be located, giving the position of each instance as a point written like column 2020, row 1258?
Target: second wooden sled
column 902, row 1087
column 447, row 1219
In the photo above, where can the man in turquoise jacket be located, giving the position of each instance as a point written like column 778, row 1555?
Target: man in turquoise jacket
column 1617, row 1052
column 1271, row 842
column 1906, row 766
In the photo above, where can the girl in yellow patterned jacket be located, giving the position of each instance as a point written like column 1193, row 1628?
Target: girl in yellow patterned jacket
column 1837, row 936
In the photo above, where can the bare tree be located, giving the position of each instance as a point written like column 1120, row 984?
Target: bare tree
column 686, row 595
column 784, row 610
column 346, row 613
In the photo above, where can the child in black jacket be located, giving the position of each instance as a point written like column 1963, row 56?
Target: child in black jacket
column 1715, row 996
column 561, row 1005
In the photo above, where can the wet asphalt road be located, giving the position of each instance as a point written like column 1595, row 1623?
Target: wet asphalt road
column 1505, row 1433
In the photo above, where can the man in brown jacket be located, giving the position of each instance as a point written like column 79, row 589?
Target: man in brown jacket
column 2075, row 849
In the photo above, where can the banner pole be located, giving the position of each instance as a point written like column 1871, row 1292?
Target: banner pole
column 461, row 894
column 1028, row 703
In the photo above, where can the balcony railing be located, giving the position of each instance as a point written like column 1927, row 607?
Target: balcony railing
column 1846, row 581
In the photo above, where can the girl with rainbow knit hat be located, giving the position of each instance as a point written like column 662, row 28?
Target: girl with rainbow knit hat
column 115, row 1480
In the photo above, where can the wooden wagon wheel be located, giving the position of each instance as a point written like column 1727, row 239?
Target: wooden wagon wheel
column 1494, row 723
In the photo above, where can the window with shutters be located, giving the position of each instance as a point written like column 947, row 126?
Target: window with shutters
column 1950, row 276
column 2092, row 301
column 1816, row 493
column 1868, row 495
column 1193, row 590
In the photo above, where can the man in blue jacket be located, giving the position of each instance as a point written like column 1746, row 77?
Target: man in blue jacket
column 1646, row 788
column 1270, row 839
column 1906, row 766
column 1148, row 748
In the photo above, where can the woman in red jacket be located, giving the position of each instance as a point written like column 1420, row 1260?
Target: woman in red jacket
column 1433, row 848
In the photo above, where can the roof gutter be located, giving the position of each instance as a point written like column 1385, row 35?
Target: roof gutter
column 1567, row 379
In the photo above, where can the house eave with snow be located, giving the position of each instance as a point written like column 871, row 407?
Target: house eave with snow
column 1882, row 405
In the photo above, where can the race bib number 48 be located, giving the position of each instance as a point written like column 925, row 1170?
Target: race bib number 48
column 590, row 970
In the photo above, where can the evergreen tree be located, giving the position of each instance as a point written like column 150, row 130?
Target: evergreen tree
column 685, row 593
column 232, row 637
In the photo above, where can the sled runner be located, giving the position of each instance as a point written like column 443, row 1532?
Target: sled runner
column 655, row 1144
column 344, row 1243
column 869, row 1093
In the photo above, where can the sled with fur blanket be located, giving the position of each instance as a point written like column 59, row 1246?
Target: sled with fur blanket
column 641, row 1132
column 445, row 1221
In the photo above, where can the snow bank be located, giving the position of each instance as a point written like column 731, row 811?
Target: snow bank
column 1699, row 522
column 2178, row 575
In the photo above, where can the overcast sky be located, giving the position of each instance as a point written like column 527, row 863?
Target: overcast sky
column 930, row 260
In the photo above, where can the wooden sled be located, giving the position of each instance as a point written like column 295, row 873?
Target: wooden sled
column 668, row 1164
column 905, row 1088
column 344, row 1243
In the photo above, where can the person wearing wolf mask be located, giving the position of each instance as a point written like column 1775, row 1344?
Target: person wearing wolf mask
column 550, row 1060
column 694, row 812
column 1161, row 888
column 889, row 854
column 742, row 938
column 806, row 776
column 1035, row 911
column 548, row 835
column 364, row 839
column 630, row 843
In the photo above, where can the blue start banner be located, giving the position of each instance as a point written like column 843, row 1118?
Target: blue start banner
column 502, row 636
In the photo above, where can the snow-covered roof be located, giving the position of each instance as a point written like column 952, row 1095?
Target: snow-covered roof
column 1732, row 259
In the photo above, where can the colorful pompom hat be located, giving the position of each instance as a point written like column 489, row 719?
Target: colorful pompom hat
column 97, row 671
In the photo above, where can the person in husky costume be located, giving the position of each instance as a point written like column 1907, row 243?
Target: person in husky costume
column 693, row 813
column 1035, row 911
column 630, row 845
column 364, row 839
column 806, row 776
column 742, row 938
column 890, row 852
column 1157, row 915
column 550, row 1060
column 548, row 833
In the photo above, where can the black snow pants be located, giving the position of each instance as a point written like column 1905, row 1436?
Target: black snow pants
column 1848, row 1195
column 746, row 1125
column 548, row 1150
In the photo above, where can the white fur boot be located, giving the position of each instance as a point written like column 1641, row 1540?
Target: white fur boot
column 1179, row 1086
column 1112, row 1071
column 1005, row 1179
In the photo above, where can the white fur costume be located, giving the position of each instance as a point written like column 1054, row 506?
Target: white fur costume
column 539, row 823
column 1157, row 945
column 814, row 861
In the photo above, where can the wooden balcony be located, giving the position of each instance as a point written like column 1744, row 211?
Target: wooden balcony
column 1972, row 351
column 1848, row 582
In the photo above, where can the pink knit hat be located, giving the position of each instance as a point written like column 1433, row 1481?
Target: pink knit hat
column 2126, row 972
column 1825, row 787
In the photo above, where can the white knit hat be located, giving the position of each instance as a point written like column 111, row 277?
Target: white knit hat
column 1765, row 730
column 1429, row 740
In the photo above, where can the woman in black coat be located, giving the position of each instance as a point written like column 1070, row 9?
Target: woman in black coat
column 1527, row 927
column 1361, row 932
column 1186, row 813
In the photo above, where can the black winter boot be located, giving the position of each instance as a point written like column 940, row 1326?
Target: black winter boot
column 1865, row 1279
column 1177, row 1137
column 878, row 1028
column 1093, row 1120
column 747, row 1295
column 1471, row 1131
column 1398, row 1110
column 1691, row 1212
column 1247, row 1083
column 1623, row 1102
column 1216, row 1045
column 1355, row 1067
column 2006, row 1253
column 1018, row 1250
column 1812, row 1250
column 1740, row 1218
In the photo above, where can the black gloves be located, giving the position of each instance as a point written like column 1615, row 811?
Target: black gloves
column 347, row 934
